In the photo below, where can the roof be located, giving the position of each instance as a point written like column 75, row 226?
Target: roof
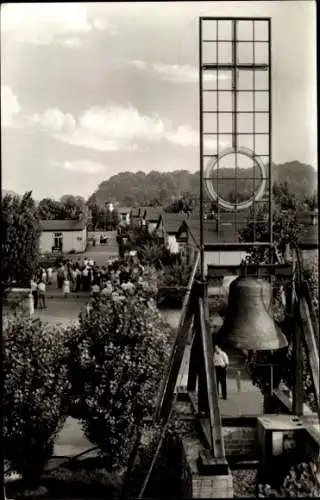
column 226, row 234
column 172, row 222
column 135, row 212
column 309, row 237
column 153, row 213
column 306, row 217
column 123, row 210
column 62, row 225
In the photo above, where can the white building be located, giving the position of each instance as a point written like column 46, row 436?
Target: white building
column 63, row 236
column 124, row 214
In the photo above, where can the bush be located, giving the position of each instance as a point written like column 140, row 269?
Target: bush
column 117, row 358
column 20, row 230
column 301, row 481
column 35, row 381
column 79, row 480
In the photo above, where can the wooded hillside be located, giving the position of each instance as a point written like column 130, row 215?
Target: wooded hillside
column 136, row 189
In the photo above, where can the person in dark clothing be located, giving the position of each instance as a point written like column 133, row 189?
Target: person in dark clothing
column 221, row 362
column 60, row 276
column 34, row 290
column 78, row 279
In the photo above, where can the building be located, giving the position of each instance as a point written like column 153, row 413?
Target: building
column 124, row 214
column 151, row 217
column 215, row 238
column 63, row 236
column 168, row 227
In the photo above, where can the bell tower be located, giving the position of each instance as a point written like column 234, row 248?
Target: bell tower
column 235, row 124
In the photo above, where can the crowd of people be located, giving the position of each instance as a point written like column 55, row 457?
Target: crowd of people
column 71, row 277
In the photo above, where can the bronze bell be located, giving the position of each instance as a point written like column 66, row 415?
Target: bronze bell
column 248, row 323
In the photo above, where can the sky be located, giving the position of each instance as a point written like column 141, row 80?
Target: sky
column 89, row 90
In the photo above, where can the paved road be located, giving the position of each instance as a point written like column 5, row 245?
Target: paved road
column 61, row 310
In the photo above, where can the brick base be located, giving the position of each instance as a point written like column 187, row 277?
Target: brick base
column 212, row 486
column 199, row 485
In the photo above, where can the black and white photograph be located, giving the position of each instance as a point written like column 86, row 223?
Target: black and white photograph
column 160, row 240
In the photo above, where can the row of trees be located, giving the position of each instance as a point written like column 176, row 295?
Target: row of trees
column 76, row 208
column 140, row 189
column 68, row 207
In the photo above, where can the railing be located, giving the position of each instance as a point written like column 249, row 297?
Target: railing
column 309, row 328
column 183, row 327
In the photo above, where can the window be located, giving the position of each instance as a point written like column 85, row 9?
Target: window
column 58, row 241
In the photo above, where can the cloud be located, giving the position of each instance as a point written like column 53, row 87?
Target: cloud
column 105, row 25
column 53, row 120
column 10, row 107
column 114, row 128
column 185, row 73
column 138, row 64
column 72, row 43
column 186, row 136
column 81, row 166
column 108, row 128
column 183, row 136
column 42, row 23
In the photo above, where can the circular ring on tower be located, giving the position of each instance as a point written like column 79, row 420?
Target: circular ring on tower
column 213, row 163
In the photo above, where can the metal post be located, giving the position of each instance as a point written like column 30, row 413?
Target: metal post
column 201, row 149
column 234, row 86
column 297, row 393
column 270, row 139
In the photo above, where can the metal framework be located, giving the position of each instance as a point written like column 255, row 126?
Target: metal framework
column 235, row 114
column 194, row 316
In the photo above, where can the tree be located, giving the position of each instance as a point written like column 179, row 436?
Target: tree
column 35, row 384
column 118, row 359
column 111, row 219
column 285, row 231
column 312, row 202
column 283, row 197
column 20, row 239
column 74, row 207
column 49, row 209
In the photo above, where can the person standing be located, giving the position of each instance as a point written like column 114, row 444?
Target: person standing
column 49, row 275
column 78, row 279
column 60, row 276
column 34, row 290
column 66, row 287
column 85, row 279
column 73, row 280
column 43, row 275
column 221, row 361
column 42, row 295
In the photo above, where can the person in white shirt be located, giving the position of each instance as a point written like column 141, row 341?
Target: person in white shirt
column 91, row 262
column 43, row 275
column 66, row 288
column 221, row 361
column 49, row 275
column 42, row 295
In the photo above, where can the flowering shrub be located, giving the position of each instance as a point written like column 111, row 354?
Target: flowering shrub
column 35, row 381
column 300, row 481
column 118, row 357
column 311, row 274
